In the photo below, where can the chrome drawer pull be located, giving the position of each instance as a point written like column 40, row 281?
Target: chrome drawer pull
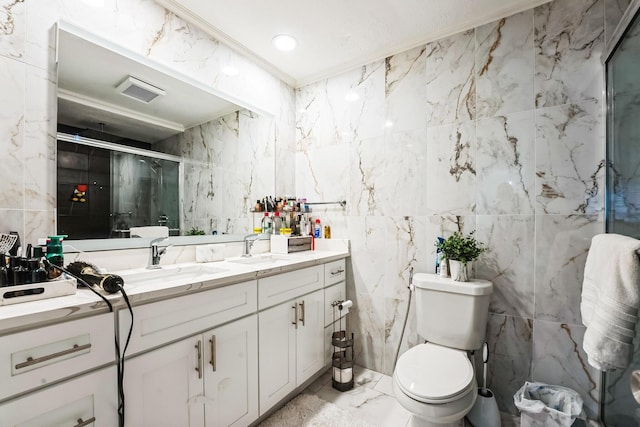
column 31, row 361
column 338, row 271
column 295, row 314
column 213, row 352
column 199, row 365
column 85, row 423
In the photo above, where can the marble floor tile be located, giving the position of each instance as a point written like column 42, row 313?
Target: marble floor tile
column 372, row 400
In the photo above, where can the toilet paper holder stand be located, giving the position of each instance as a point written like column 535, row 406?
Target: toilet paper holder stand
column 342, row 360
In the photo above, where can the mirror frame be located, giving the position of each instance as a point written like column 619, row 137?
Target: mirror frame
column 89, row 245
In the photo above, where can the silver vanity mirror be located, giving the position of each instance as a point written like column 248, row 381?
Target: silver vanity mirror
column 142, row 145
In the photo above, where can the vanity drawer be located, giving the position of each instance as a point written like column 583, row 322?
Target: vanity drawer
column 333, row 293
column 39, row 356
column 335, row 272
column 283, row 287
column 88, row 400
column 164, row 321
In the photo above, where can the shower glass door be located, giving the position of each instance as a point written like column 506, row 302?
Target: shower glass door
column 623, row 190
column 145, row 193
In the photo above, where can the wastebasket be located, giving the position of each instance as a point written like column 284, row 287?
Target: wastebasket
column 544, row 405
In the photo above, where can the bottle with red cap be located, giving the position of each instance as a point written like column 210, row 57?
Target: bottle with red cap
column 317, row 229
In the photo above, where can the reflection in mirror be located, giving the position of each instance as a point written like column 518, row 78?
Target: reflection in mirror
column 227, row 153
column 105, row 189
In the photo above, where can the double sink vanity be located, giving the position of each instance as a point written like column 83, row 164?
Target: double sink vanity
column 213, row 344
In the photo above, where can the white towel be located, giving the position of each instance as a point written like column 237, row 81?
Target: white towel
column 610, row 300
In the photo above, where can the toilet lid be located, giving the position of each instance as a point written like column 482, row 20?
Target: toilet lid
column 430, row 372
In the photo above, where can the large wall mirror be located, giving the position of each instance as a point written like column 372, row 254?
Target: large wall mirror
column 142, row 145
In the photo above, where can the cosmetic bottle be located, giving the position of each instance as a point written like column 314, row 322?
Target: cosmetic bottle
column 55, row 255
column 277, row 223
column 317, row 229
column 266, row 224
column 37, row 271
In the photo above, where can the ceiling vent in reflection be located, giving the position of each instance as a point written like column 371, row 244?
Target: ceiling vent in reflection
column 139, row 90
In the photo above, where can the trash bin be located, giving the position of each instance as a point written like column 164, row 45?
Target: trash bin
column 544, row 405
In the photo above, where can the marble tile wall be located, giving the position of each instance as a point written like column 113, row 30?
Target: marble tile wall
column 229, row 163
column 497, row 129
column 28, row 99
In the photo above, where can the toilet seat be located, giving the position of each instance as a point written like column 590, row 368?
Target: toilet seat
column 430, row 373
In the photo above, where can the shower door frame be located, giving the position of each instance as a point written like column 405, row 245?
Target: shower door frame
column 618, row 35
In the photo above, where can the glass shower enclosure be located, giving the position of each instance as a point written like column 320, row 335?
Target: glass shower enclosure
column 104, row 189
column 622, row 67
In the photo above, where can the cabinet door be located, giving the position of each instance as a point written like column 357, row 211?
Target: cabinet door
column 310, row 336
column 277, row 347
column 231, row 374
column 163, row 387
column 90, row 400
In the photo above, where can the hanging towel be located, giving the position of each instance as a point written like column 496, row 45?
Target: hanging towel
column 610, row 300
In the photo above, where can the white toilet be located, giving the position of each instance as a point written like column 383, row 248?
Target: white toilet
column 435, row 381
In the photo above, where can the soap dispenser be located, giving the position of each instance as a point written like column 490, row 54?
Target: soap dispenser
column 55, row 255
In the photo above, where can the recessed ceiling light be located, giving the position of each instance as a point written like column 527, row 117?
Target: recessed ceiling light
column 284, row 42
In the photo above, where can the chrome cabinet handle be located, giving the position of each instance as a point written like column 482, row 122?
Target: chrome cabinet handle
column 302, row 312
column 85, row 423
column 199, row 365
column 31, row 361
column 338, row 271
column 213, row 352
column 295, row 314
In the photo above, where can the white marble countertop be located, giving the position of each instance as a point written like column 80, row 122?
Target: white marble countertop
column 210, row 275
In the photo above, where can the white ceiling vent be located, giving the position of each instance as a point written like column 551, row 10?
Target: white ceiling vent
column 139, row 90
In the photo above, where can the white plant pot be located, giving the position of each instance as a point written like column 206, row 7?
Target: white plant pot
column 459, row 271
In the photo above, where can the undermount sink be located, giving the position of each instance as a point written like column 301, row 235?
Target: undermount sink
column 187, row 272
column 267, row 259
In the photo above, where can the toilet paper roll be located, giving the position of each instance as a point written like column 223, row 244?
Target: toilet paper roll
column 343, row 375
column 344, row 305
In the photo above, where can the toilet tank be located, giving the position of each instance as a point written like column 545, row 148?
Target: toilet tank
column 452, row 314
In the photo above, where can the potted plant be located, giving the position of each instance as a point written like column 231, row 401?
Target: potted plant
column 460, row 250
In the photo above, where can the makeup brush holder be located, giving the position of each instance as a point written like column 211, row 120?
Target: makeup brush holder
column 485, row 411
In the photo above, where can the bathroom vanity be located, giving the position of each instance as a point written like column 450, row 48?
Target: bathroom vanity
column 213, row 344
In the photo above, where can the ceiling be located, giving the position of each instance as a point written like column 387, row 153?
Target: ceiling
column 335, row 35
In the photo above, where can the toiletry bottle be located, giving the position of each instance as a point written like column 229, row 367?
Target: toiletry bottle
column 4, row 271
column 277, row 223
column 266, row 224
column 327, row 232
column 37, row 271
column 55, row 255
column 317, row 229
column 20, row 272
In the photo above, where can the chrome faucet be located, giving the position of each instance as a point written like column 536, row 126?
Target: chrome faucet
column 248, row 244
column 155, row 255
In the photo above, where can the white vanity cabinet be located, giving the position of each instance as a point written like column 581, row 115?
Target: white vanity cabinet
column 291, row 332
column 88, row 400
column 207, row 379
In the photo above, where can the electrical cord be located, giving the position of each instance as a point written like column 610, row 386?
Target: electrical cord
column 119, row 357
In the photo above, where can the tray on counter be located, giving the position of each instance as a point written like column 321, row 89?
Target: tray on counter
column 37, row 291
